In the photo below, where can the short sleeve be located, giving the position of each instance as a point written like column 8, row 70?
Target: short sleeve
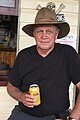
column 74, row 62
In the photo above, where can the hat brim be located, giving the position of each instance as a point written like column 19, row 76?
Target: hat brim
column 63, row 26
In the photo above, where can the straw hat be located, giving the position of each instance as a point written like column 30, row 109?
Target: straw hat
column 46, row 16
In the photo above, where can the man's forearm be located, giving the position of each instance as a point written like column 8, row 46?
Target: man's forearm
column 24, row 98
column 14, row 92
column 76, row 110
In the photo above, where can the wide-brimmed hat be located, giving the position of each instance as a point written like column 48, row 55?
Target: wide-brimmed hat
column 46, row 16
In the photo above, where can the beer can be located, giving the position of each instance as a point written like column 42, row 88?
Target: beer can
column 34, row 91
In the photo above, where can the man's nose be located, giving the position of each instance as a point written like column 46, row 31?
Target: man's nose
column 44, row 34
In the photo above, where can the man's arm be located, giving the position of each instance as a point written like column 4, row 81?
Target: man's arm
column 25, row 98
column 76, row 110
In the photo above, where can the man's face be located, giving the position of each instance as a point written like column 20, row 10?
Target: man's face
column 45, row 36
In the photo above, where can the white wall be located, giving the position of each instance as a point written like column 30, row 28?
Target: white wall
column 28, row 12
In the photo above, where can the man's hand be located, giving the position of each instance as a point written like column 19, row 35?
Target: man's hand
column 28, row 100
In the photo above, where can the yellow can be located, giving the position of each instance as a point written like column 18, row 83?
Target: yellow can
column 34, row 91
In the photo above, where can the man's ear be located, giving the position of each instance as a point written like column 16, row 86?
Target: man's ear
column 56, row 35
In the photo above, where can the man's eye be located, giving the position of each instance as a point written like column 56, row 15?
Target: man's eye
column 49, row 31
column 39, row 31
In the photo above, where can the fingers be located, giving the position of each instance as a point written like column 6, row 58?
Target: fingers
column 28, row 100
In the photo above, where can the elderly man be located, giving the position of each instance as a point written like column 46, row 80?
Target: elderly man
column 50, row 65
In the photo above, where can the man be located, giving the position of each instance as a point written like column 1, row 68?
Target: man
column 50, row 65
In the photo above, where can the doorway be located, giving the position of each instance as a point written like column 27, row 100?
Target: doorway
column 8, row 38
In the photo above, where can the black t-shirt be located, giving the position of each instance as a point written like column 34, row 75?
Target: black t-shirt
column 53, row 74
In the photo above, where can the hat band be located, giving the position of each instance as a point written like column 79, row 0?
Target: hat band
column 45, row 20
